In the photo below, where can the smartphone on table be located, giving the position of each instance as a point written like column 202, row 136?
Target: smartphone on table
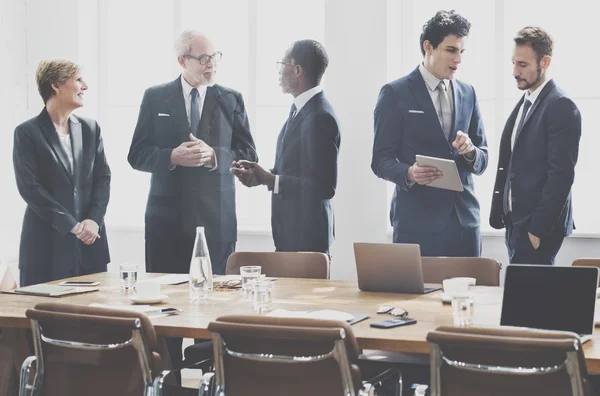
column 389, row 323
column 79, row 283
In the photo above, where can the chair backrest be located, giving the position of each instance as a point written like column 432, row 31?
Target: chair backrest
column 259, row 355
column 282, row 264
column 92, row 351
column 485, row 270
column 506, row 361
column 586, row 262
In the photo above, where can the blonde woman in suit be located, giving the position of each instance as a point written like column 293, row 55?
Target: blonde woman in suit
column 62, row 174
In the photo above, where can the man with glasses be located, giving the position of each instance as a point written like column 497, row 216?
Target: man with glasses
column 304, row 177
column 188, row 133
column 426, row 113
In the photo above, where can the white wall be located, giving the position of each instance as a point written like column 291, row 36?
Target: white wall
column 13, row 110
column 37, row 29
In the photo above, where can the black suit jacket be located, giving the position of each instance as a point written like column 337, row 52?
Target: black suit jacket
column 191, row 197
column 541, row 166
column 306, row 162
column 57, row 200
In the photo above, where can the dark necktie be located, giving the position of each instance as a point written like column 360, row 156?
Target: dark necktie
column 194, row 112
column 289, row 120
column 526, row 106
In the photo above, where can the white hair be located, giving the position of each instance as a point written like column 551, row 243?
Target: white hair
column 183, row 43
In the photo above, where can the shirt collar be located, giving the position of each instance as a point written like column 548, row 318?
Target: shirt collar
column 431, row 81
column 532, row 97
column 305, row 96
column 187, row 88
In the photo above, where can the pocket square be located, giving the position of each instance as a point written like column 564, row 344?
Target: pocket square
column 164, row 115
column 416, row 111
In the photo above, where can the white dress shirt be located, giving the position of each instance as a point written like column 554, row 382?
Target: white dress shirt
column 432, row 83
column 187, row 98
column 532, row 97
column 65, row 141
column 299, row 101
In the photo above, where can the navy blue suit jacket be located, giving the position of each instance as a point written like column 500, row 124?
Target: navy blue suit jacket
column 406, row 124
column 186, row 196
column 306, row 162
column 542, row 165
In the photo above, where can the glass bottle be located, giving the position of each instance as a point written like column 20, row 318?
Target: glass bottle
column 201, row 279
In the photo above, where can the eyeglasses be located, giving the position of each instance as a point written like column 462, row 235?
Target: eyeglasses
column 203, row 59
column 388, row 309
column 281, row 64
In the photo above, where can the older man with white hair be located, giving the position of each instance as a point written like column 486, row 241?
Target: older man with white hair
column 189, row 132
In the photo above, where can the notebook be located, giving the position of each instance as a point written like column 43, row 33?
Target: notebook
column 51, row 290
column 550, row 298
column 391, row 268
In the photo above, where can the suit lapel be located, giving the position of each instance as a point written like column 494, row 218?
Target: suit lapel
column 77, row 145
column 294, row 124
column 208, row 116
column 176, row 106
column 456, row 101
column 420, row 90
column 52, row 138
column 547, row 88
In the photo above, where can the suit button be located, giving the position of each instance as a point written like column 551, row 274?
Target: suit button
column 512, row 175
column 513, row 199
column 451, row 152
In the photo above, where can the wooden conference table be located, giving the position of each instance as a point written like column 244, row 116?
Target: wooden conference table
column 293, row 294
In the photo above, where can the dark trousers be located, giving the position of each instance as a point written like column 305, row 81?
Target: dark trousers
column 169, row 250
column 453, row 241
column 520, row 249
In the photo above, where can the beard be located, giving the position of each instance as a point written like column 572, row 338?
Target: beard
column 532, row 84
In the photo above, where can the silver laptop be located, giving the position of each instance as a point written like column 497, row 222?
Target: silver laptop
column 390, row 267
column 550, row 298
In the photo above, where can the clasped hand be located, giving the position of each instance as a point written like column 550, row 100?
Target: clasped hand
column 86, row 231
column 193, row 153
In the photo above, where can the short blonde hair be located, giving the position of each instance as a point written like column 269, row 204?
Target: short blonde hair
column 53, row 72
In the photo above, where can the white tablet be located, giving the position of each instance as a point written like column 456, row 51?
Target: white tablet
column 450, row 179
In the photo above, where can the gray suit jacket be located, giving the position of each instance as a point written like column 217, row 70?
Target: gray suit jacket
column 191, row 197
column 306, row 162
column 57, row 200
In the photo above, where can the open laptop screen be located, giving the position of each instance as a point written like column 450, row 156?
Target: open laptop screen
column 550, row 298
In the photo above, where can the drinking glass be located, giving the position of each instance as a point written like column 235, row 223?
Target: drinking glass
column 128, row 273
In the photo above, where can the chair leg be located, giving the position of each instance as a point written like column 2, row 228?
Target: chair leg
column 25, row 388
column 205, row 385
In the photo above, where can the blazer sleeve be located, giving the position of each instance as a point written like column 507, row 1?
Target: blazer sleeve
column 242, row 143
column 319, row 173
column 101, row 182
column 564, row 133
column 27, row 175
column 388, row 140
column 477, row 135
column 144, row 154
